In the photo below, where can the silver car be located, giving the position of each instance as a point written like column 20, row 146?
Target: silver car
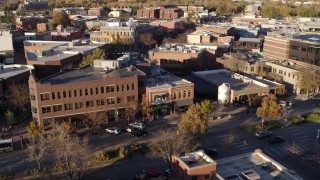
column 263, row 134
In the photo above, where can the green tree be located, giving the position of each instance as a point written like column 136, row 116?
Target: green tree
column 206, row 107
column 269, row 109
column 34, row 129
column 20, row 10
column 9, row 117
column 309, row 80
column 193, row 121
column 61, row 18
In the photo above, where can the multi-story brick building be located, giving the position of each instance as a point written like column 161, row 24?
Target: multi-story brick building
column 28, row 23
column 99, row 11
column 170, row 12
column 298, row 48
column 71, row 94
column 36, row 5
column 182, row 59
column 62, row 34
column 192, row 8
column 153, row 13
column 169, row 24
column 166, row 93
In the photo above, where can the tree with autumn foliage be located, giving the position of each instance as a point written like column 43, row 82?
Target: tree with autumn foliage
column 34, row 129
column 269, row 109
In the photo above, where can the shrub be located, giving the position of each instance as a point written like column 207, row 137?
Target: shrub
column 313, row 117
column 123, row 152
column 100, row 156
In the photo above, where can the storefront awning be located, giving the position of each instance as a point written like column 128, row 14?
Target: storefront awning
column 184, row 102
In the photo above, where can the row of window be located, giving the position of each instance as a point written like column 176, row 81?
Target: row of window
column 81, row 105
column 170, row 61
column 84, row 92
column 284, row 73
column 305, row 49
column 183, row 94
column 116, row 33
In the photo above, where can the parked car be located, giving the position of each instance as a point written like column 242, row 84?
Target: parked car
column 211, row 152
column 263, row 134
column 290, row 103
column 137, row 125
column 283, row 103
column 275, row 139
column 139, row 133
column 251, row 175
column 113, row 130
column 130, row 129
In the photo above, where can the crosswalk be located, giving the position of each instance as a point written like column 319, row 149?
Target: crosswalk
column 277, row 151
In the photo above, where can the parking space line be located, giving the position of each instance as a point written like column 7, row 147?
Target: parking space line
column 273, row 150
column 297, row 134
column 247, row 147
column 268, row 152
column 303, row 137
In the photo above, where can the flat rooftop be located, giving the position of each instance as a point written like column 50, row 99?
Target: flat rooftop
column 264, row 166
column 179, row 48
column 13, row 70
column 89, row 74
column 168, row 80
column 205, row 33
column 55, row 56
column 236, row 81
column 196, row 159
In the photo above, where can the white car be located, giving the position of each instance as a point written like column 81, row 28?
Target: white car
column 130, row 129
column 137, row 125
column 263, row 134
column 283, row 103
column 114, row 131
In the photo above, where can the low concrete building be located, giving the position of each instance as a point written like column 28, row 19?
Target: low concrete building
column 15, row 73
column 234, row 88
column 207, row 37
column 6, row 46
column 221, row 28
column 194, row 165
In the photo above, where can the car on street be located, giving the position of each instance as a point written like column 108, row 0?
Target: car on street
column 212, row 152
column 275, row 139
column 283, row 103
column 113, row 130
column 139, row 133
column 263, row 134
column 290, row 103
column 130, row 129
column 137, row 125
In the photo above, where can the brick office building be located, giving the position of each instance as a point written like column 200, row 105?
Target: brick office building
column 170, row 12
column 71, row 94
column 183, row 59
column 153, row 13
column 28, row 23
column 62, row 34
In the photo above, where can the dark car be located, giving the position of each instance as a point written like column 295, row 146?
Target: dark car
column 211, row 152
column 139, row 133
column 275, row 139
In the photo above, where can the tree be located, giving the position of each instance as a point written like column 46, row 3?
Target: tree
column 129, row 113
column 70, row 157
column 68, row 128
column 96, row 54
column 20, row 10
column 61, row 18
column 166, row 143
column 38, row 148
column 9, row 117
column 309, row 80
column 195, row 119
column 18, row 96
column 269, row 108
column 34, row 129
column 229, row 138
column 147, row 39
column 145, row 107
column 94, row 119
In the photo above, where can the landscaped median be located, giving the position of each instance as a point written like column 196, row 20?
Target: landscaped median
column 266, row 126
column 305, row 118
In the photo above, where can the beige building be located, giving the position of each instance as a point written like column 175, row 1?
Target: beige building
column 206, row 37
column 109, row 34
column 276, row 48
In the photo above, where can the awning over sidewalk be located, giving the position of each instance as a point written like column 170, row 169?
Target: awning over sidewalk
column 184, row 102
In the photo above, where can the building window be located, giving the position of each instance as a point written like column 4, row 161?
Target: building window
column 74, row 93
column 46, row 109
column 59, row 95
column 297, row 48
column 184, row 94
column 57, row 108
column 288, row 74
column 97, row 90
column 128, row 87
column 130, row 98
column 132, row 86
column 118, row 88
column 179, row 96
column 89, row 104
column 91, row 91
column 119, row 100
column 53, row 95
column 174, row 95
column 122, row 87
column 68, row 106
column 45, row 96
column 34, row 110
column 189, row 93
column 207, row 176
column 304, row 49
column 102, row 90
column 78, row 105
column 80, row 92
column 70, row 94
column 111, row 89
column 100, row 102
column 110, row 101
column 86, row 91
column 64, row 94
column 252, row 69
column 32, row 97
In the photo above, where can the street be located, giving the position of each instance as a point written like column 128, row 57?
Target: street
column 304, row 136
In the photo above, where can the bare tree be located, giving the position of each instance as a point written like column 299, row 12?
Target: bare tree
column 129, row 113
column 145, row 107
column 38, row 148
column 18, row 96
column 167, row 142
column 293, row 149
column 95, row 118
column 70, row 157
column 229, row 138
